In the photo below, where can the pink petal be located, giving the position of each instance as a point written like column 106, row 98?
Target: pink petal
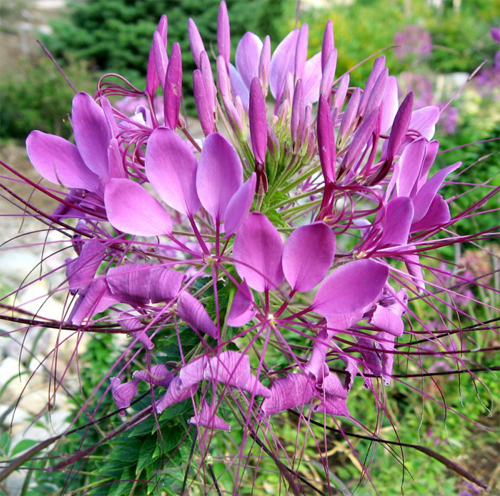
column 97, row 299
column 248, row 56
column 317, row 365
column 160, row 57
column 400, row 127
column 328, row 43
column 192, row 312
column 257, row 252
column 351, row 287
column 131, row 209
column 223, row 33
column 239, row 205
column 92, row 133
column 389, row 105
column 238, row 86
column 208, row 418
column 301, row 52
column 203, row 99
column 242, row 309
column 258, row 121
column 124, row 393
column 59, row 161
column 412, row 262
column 290, row 392
column 308, row 255
column 152, row 80
column 135, row 327
column 219, row 175
column 171, row 169
column 326, row 140
column 115, row 160
column 282, row 63
column 195, row 42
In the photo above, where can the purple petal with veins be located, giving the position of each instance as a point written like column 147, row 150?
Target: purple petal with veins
column 97, row 298
column 397, row 222
column 92, row 133
column 131, row 209
column 308, row 255
column 289, row 392
column 59, row 161
column 239, row 206
column 219, row 175
column 192, row 373
column 171, row 168
column 175, row 394
column 208, row 418
column 258, row 249
column 158, row 375
column 81, row 271
column 192, row 312
column 242, row 309
column 133, row 325
column 123, row 394
column 317, row 366
column 350, row 288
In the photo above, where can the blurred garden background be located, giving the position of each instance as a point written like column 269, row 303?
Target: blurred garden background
column 434, row 46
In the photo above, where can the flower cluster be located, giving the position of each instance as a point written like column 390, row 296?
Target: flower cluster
column 300, row 216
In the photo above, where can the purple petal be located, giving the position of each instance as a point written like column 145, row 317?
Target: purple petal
column 219, row 175
column 351, row 287
column 424, row 121
column 208, row 81
column 389, row 104
column 317, row 366
column 409, row 168
column 242, row 309
column 290, row 392
column 131, row 209
column 308, row 255
column 152, row 80
column 378, row 67
column 265, row 63
column 378, row 92
column 386, row 320
column 328, row 44
column 412, row 262
column 257, row 252
column 192, row 312
column 97, row 299
column 208, row 418
column 341, row 92
column 203, row 99
column 81, row 271
column 298, row 113
column 144, row 282
column 59, row 161
column 437, row 215
column 282, row 63
column 326, row 140
column 430, row 157
column 171, row 169
column 160, row 56
column 397, row 222
column 258, row 121
column 428, row 191
column 301, row 52
column 124, row 393
column 195, row 42
column 312, row 79
column 173, row 87
column 158, row 375
column 223, row 33
column 361, row 138
column 340, row 322
column 238, row 86
column 92, row 133
column 328, row 74
column 239, row 206
column 222, row 76
column 192, row 373
column 399, row 127
column 247, row 57
column 175, row 394
column 135, row 327
column 115, row 160
column 350, row 113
